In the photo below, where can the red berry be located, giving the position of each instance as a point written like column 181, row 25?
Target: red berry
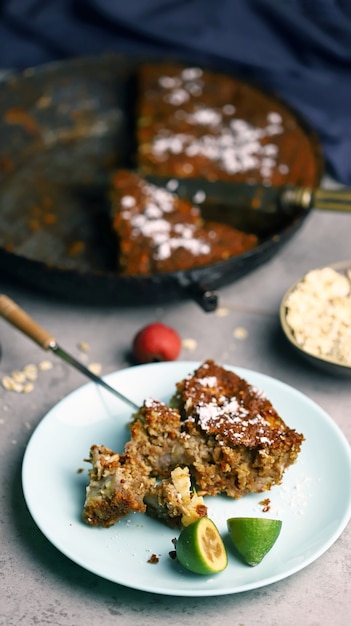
column 156, row 342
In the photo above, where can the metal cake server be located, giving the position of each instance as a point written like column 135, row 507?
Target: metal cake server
column 16, row 316
column 270, row 199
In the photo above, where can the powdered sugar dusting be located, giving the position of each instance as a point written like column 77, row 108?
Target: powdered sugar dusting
column 230, row 418
column 231, row 410
column 236, row 148
column 191, row 73
column 259, row 393
column 199, row 196
column 164, row 236
column 177, row 96
column 149, row 402
column 208, row 381
column 195, row 246
column 234, row 144
column 172, row 185
column 128, row 201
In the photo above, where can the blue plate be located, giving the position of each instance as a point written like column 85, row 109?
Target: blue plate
column 314, row 500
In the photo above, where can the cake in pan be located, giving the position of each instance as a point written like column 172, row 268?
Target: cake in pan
column 157, row 231
column 193, row 122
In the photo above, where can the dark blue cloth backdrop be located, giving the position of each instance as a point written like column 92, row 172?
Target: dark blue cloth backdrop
column 300, row 49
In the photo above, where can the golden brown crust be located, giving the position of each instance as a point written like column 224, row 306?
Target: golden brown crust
column 224, row 405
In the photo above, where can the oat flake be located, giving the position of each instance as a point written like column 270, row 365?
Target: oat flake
column 43, row 366
column 189, row 344
column 240, row 332
column 95, row 368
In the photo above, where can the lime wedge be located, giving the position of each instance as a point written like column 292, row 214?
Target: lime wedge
column 200, row 548
column 253, row 537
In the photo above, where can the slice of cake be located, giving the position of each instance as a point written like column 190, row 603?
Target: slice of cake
column 199, row 123
column 117, row 486
column 159, row 232
column 238, row 442
column 120, row 484
column 156, row 438
column 221, row 434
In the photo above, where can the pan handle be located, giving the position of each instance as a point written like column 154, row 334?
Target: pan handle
column 206, row 298
column 10, row 311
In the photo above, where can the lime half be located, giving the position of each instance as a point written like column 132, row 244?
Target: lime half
column 253, row 537
column 200, row 548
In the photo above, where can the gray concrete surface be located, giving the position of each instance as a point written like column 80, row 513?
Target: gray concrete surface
column 38, row 585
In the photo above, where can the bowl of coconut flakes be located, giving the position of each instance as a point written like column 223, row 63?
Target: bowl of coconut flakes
column 315, row 315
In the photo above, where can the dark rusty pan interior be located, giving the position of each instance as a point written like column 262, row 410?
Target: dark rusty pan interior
column 64, row 127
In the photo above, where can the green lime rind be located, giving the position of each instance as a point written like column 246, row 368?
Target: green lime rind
column 200, row 548
column 253, row 537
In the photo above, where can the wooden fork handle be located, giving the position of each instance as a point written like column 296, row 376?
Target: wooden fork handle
column 16, row 316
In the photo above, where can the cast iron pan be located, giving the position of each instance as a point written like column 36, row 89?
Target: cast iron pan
column 64, row 127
